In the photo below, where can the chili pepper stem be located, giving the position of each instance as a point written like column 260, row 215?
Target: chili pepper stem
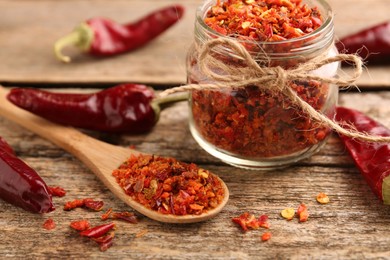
column 81, row 37
column 386, row 190
column 158, row 103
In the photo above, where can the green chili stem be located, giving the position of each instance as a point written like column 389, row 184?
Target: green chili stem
column 158, row 103
column 81, row 37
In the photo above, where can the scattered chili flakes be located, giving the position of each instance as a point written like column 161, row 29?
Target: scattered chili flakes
column 57, row 191
column 106, row 214
column 100, row 234
column 49, row 224
column 303, row 213
column 80, row 225
column 322, row 198
column 266, row 236
column 169, row 186
column 248, row 221
column 104, row 242
column 125, row 216
column 69, row 205
column 288, row 213
column 95, row 205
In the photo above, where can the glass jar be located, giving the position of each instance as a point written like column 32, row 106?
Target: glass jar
column 250, row 127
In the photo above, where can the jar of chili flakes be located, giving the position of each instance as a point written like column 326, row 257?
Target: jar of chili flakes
column 250, row 127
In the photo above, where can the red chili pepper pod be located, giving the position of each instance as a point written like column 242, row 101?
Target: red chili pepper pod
column 103, row 37
column 372, row 159
column 5, row 146
column 20, row 185
column 372, row 43
column 125, row 108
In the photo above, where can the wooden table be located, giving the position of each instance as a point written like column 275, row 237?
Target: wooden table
column 353, row 225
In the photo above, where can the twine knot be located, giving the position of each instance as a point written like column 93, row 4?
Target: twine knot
column 248, row 72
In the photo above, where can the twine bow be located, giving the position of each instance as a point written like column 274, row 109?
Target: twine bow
column 274, row 79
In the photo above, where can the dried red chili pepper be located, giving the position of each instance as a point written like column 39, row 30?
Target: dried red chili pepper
column 80, row 225
column 98, row 231
column 128, row 108
column 103, row 37
column 57, row 191
column 169, row 186
column 49, row 224
column 372, row 159
column 373, row 43
column 21, row 185
column 4, row 146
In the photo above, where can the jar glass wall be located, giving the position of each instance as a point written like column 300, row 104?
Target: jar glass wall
column 254, row 128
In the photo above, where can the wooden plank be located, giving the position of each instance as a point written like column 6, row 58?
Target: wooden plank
column 28, row 30
column 353, row 225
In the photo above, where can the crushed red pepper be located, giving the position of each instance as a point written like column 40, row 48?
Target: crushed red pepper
column 49, row 224
column 80, row 225
column 263, row 20
column 89, row 203
column 57, row 191
column 302, row 213
column 252, row 122
column 266, row 236
column 169, row 186
column 248, row 221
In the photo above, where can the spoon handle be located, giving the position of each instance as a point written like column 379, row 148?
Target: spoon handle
column 85, row 148
column 67, row 138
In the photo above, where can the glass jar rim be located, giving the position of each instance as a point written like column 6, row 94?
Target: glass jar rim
column 325, row 26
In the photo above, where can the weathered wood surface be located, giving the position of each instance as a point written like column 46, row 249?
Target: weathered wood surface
column 28, row 30
column 354, row 225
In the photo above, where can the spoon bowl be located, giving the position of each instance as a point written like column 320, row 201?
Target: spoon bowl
column 100, row 157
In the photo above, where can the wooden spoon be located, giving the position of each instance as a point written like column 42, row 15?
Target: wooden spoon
column 101, row 158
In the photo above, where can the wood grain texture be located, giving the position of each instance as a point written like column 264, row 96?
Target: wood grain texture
column 28, row 30
column 354, row 225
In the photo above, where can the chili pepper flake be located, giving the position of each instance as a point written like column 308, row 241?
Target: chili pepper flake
column 266, row 236
column 57, row 191
column 104, row 242
column 288, row 213
column 322, row 198
column 69, row 205
column 125, row 216
column 169, row 186
column 80, row 225
column 303, row 213
column 98, row 231
column 96, row 205
column 49, row 224
column 106, row 214
column 248, row 221
column 89, row 203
